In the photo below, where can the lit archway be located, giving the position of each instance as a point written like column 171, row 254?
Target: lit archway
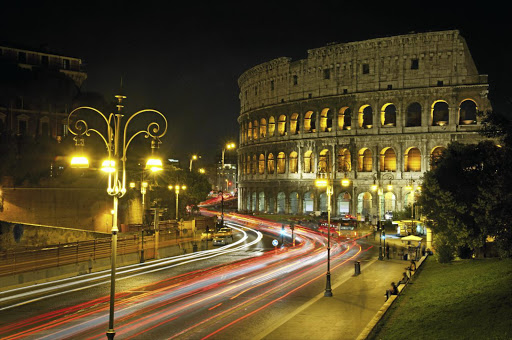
column 270, row 163
column 365, row 162
column 412, row 160
column 281, row 163
column 388, row 115
column 307, row 202
column 293, row 164
column 387, row 160
column 440, row 113
column 467, row 112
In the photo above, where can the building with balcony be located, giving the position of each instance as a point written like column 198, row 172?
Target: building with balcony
column 373, row 113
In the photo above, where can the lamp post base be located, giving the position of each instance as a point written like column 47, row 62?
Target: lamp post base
column 110, row 334
column 328, row 290
column 380, row 253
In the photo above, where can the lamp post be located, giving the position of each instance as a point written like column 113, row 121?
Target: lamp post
column 116, row 142
column 193, row 158
column 228, row 146
column 377, row 186
column 177, row 188
column 325, row 182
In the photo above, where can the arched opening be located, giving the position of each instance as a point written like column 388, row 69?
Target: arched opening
column 344, row 200
column 324, row 163
column 248, row 202
column 388, row 115
column 435, row 156
column 271, row 204
column 271, row 126
column 389, row 202
column 440, row 114
column 412, row 160
column 261, row 164
column 323, row 202
column 467, row 112
column 261, row 201
column 326, row 120
column 344, row 118
column 263, row 128
column 307, row 202
column 254, row 164
column 309, row 122
column 364, row 204
column 365, row 163
column 249, row 131
column 294, row 162
column 249, row 164
column 253, row 201
column 281, row 125
column 294, row 203
column 413, row 117
column 281, row 163
column 388, row 160
column 270, row 163
column 256, row 130
column 308, row 162
column 294, row 128
column 344, row 160
column 365, row 117
column 281, row 203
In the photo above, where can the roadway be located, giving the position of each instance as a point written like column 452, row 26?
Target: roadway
column 236, row 291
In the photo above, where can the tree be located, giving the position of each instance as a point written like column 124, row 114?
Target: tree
column 466, row 196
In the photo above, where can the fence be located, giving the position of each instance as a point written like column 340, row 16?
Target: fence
column 14, row 262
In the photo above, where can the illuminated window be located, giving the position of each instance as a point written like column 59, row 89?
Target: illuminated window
column 309, row 122
column 271, row 126
column 365, row 160
column 261, row 164
column 294, row 128
column 263, row 128
column 281, row 125
column 255, row 130
column 308, row 161
column 324, row 164
column 293, row 163
column 270, row 163
column 388, row 160
column 413, row 160
column 281, row 163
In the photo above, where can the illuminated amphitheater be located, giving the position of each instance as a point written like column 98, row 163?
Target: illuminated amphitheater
column 375, row 112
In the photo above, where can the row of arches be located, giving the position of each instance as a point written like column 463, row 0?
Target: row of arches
column 281, row 163
column 295, row 203
column 283, row 125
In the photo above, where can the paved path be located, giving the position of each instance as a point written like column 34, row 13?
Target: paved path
column 355, row 302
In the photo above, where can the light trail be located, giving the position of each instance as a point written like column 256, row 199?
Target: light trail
column 230, row 293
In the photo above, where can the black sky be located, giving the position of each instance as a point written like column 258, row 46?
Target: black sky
column 184, row 58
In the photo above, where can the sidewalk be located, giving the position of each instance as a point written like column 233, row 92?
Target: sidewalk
column 355, row 302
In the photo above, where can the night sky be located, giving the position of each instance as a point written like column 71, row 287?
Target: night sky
column 185, row 59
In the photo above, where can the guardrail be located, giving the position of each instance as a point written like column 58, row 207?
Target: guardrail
column 14, row 262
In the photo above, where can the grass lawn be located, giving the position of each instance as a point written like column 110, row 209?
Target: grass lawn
column 468, row 299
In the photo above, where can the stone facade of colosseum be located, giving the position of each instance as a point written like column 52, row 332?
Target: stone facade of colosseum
column 373, row 112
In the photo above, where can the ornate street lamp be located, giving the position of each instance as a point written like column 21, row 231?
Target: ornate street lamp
column 377, row 186
column 117, row 143
column 324, row 181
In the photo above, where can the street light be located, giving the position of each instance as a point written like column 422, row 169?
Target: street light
column 177, row 188
column 202, row 171
column 193, row 158
column 378, row 187
column 228, row 146
column 116, row 142
column 325, row 182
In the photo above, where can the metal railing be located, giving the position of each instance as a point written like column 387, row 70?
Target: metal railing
column 14, row 262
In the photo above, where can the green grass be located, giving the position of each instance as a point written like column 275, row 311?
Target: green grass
column 469, row 299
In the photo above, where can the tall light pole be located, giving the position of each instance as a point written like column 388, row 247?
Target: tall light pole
column 193, row 158
column 325, row 182
column 377, row 186
column 177, row 188
column 116, row 142
column 228, row 146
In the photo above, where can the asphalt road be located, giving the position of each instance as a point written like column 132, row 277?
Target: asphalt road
column 233, row 292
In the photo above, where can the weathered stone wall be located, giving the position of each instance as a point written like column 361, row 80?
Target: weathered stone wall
column 87, row 209
column 20, row 235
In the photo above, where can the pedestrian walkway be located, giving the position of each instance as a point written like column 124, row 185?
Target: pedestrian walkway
column 355, row 302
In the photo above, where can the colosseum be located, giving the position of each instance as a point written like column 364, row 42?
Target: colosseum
column 369, row 115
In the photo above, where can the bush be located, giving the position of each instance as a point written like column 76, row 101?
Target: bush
column 444, row 251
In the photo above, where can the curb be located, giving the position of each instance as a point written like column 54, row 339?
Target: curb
column 375, row 320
